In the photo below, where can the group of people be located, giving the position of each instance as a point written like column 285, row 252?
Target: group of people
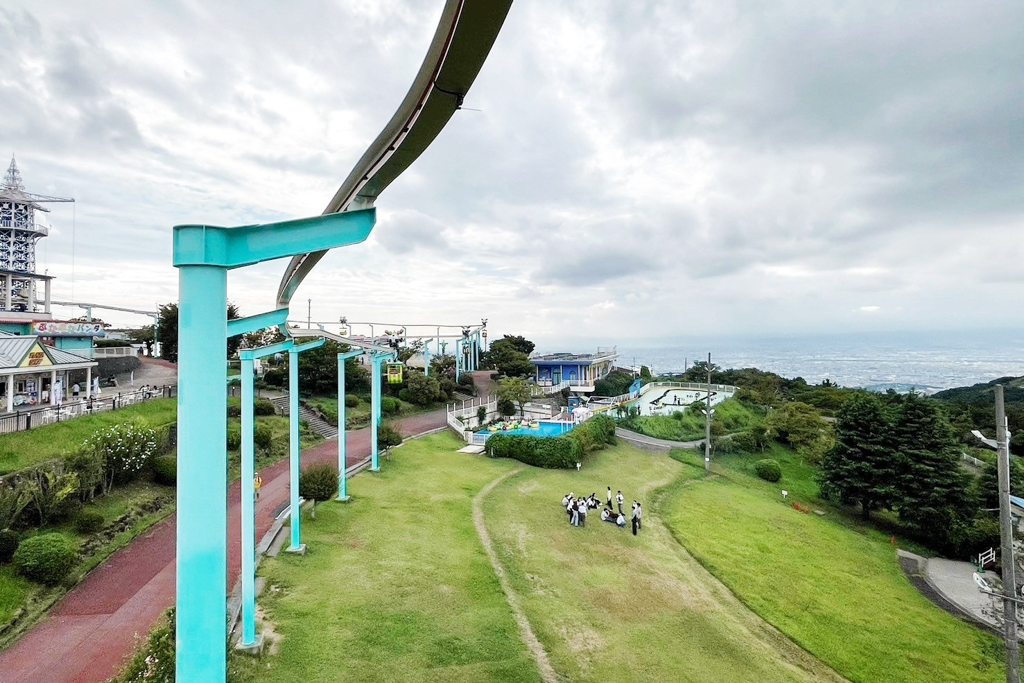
column 577, row 509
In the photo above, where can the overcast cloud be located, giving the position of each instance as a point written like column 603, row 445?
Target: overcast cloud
column 639, row 170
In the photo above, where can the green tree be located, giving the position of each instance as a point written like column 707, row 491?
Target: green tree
column 645, row 373
column 168, row 334
column 801, row 426
column 422, row 390
column 615, row 383
column 933, row 500
column 988, row 483
column 517, row 342
column 508, row 360
column 143, row 335
column 861, row 466
column 515, row 389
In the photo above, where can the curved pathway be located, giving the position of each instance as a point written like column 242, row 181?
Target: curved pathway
column 89, row 632
column 547, row 672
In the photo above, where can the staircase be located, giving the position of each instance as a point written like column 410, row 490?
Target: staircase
column 322, row 428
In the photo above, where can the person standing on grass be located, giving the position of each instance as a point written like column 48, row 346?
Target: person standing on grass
column 574, row 511
column 609, row 496
column 620, row 499
column 639, row 516
column 636, row 517
column 583, row 511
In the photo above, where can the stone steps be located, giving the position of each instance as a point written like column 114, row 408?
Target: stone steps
column 318, row 425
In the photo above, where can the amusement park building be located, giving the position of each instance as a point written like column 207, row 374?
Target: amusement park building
column 578, row 371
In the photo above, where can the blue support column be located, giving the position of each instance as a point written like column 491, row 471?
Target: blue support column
column 478, row 344
column 375, row 398
column 342, row 434
column 293, row 452
column 248, row 540
column 374, row 411
column 426, row 358
column 202, row 505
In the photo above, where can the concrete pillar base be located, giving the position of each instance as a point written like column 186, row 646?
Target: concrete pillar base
column 297, row 550
column 255, row 648
column 343, row 499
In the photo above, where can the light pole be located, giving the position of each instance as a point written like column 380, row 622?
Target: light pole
column 707, row 422
column 1002, row 446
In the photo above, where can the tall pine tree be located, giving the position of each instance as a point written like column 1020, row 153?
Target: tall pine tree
column 934, row 503
column 861, row 467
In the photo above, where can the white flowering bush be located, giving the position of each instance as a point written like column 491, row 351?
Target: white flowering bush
column 125, row 449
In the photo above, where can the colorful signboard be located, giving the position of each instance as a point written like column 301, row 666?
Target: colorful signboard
column 47, row 328
column 35, row 357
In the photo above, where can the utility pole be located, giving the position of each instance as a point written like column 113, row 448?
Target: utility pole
column 309, row 313
column 1006, row 532
column 707, row 422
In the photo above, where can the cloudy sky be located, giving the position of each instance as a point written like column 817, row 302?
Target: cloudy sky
column 639, row 170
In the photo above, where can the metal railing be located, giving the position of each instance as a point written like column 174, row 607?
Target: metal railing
column 114, row 351
column 691, row 385
column 546, row 389
column 24, row 420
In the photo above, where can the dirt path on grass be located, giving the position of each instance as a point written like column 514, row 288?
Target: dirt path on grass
column 547, row 672
column 88, row 633
column 708, row 588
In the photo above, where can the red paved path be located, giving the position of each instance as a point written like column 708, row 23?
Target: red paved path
column 90, row 631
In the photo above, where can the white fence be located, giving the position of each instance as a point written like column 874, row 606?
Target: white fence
column 22, row 420
column 114, row 351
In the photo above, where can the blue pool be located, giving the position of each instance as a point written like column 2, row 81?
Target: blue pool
column 543, row 429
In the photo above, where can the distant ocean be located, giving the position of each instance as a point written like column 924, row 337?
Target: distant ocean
column 902, row 361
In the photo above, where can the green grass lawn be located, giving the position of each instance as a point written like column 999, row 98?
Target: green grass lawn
column 23, row 449
column 688, row 425
column 611, row 606
column 829, row 583
column 395, row 586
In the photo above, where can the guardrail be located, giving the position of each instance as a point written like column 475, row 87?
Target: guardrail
column 692, row 385
column 23, row 420
column 114, row 351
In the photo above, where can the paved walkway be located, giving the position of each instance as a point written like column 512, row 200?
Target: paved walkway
column 89, row 632
column 649, row 443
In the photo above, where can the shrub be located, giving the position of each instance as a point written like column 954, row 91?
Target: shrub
column 8, row 544
column 234, row 437
column 594, row 433
column 88, row 522
column 47, row 558
column 275, row 377
column 14, row 498
column 263, row 435
column 51, row 491
column 768, row 469
column 553, row 453
column 88, row 465
column 390, row 406
column 405, row 395
column 262, row 407
column 351, row 400
column 126, row 450
column 165, row 470
column 318, row 483
column 481, row 414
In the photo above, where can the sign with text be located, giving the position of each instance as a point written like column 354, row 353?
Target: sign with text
column 35, row 357
column 46, row 328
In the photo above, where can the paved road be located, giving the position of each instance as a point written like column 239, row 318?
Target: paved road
column 88, row 633
column 651, row 444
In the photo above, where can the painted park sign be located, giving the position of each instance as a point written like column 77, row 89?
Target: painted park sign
column 46, row 328
column 35, row 357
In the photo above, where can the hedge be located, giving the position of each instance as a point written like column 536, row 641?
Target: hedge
column 768, row 469
column 88, row 522
column 558, row 452
column 260, row 407
column 165, row 470
column 47, row 558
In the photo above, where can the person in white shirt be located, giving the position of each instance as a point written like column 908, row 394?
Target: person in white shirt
column 582, row 506
column 635, row 517
column 609, row 496
column 621, row 499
